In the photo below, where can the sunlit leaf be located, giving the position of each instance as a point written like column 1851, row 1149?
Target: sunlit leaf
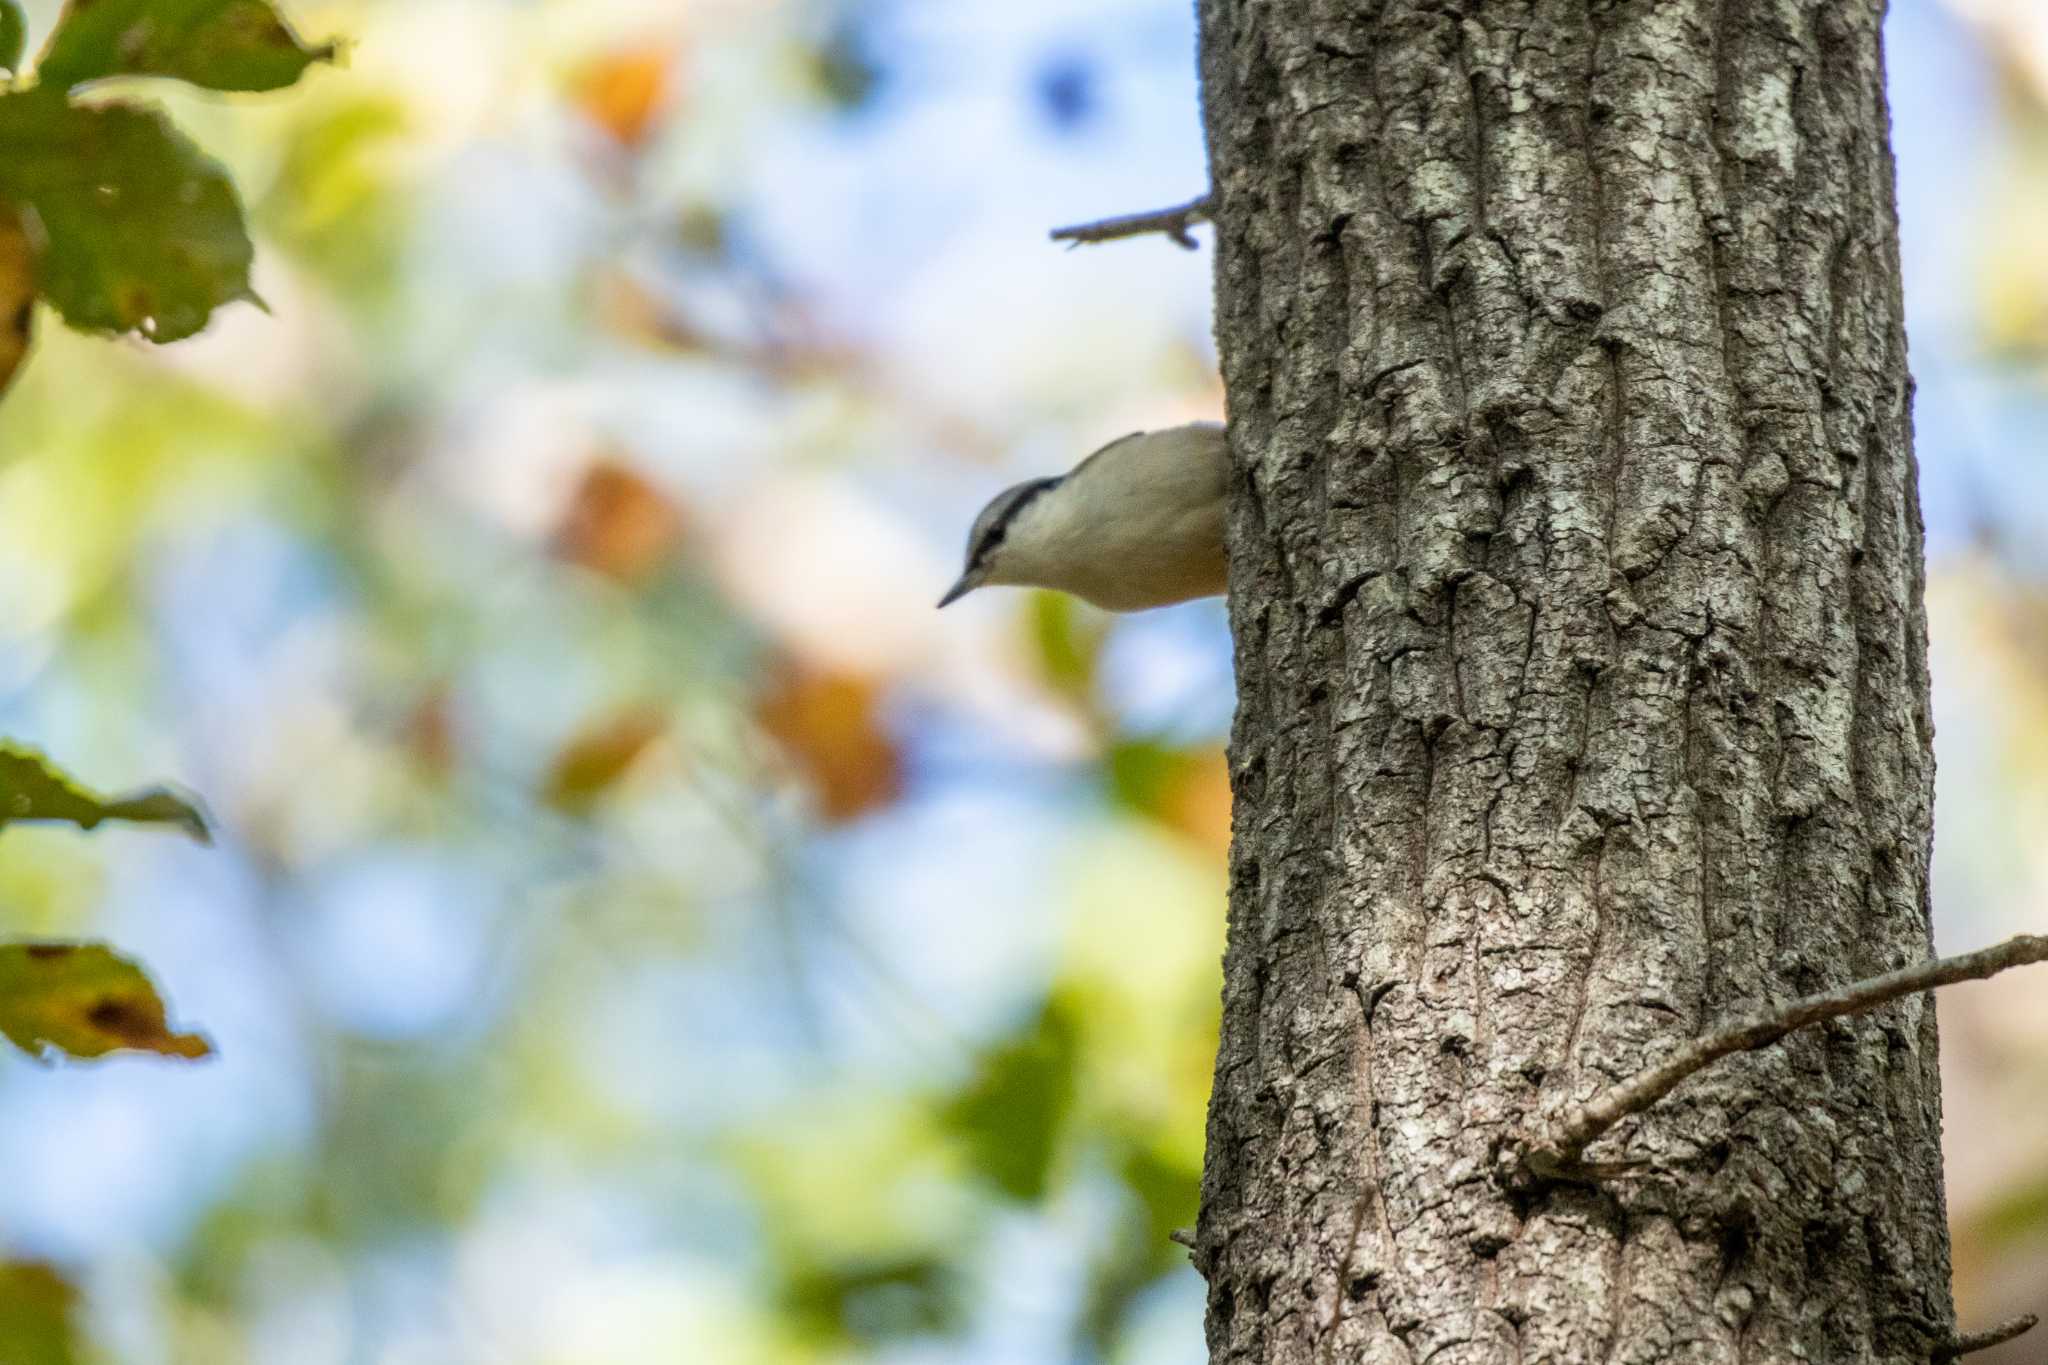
column 1010, row 1117
column 13, row 34
column 830, row 726
column 84, row 1000
column 624, row 93
column 137, row 230
column 594, row 761
column 217, row 44
column 32, row 789
column 36, row 1310
column 17, row 294
column 618, row 524
column 337, row 195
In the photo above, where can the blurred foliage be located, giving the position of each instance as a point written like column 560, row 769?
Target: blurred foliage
column 593, row 762
column 624, row 93
column 13, row 34
column 829, row 725
column 36, row 1316
column 1012, row 1114
column 641, row 929
column 558, row 1026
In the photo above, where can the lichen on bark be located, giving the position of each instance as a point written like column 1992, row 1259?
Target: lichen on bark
column 1576, row 588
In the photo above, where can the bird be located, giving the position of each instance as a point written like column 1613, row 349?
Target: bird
column 1136, row 525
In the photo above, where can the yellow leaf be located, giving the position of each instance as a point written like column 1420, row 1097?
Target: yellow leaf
column 592, row 763
column 624, row 93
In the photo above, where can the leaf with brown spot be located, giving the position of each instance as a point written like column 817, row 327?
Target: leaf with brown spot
column 619, row 524
column 829, row 724
column 215, row 44
column 31, row 788
column 596, row 760
column 37, row 1310
column 17, row 294
column 624, row 93
column 135, row 230
column 84, row 1000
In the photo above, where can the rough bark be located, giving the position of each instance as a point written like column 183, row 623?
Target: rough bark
column 1576, row 584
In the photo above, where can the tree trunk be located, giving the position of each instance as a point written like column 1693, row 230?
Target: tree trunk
column 1582, row 671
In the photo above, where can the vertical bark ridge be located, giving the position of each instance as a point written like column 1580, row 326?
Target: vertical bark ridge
column 1576, row 591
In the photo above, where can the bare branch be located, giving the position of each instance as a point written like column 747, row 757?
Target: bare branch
column 1984, row 1341
column 1184, row 1237
column 1579, row 1126
column 1174, row 222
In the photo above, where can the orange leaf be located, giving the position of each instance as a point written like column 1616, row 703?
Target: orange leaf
column 828, row 725
column 17, row 294
column 624, row 93
column 593, row 763
column 618, row 524
column 1197, row 801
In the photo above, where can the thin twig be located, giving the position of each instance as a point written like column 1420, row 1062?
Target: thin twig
column 1174, row 222
column 1183, row 1237
column 1582, row 1124
column 1984, row 1341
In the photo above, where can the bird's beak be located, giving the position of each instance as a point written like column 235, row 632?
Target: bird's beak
column 959, row 590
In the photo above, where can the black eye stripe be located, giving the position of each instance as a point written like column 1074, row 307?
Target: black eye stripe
column 999, row 529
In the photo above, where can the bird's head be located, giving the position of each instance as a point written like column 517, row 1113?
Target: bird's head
column 989, row 540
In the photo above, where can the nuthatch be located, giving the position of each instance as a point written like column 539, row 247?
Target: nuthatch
column 1137, row 524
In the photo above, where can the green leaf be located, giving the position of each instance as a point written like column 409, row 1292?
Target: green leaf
column 872, row 1299
column 32, row 789
column 36, row 1308
column 1011, row 1116
column 13, row 34
column 1143, row 773
column 217, row 44
column 139, row 230
column 1069, row 643
column 84, row 1000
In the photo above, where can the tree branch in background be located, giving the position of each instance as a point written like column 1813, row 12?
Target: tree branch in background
column 1174, row 222
column 1580, row 1125
column 1984, row 1341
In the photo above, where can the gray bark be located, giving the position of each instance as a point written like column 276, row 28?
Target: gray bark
column 1576, row 585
